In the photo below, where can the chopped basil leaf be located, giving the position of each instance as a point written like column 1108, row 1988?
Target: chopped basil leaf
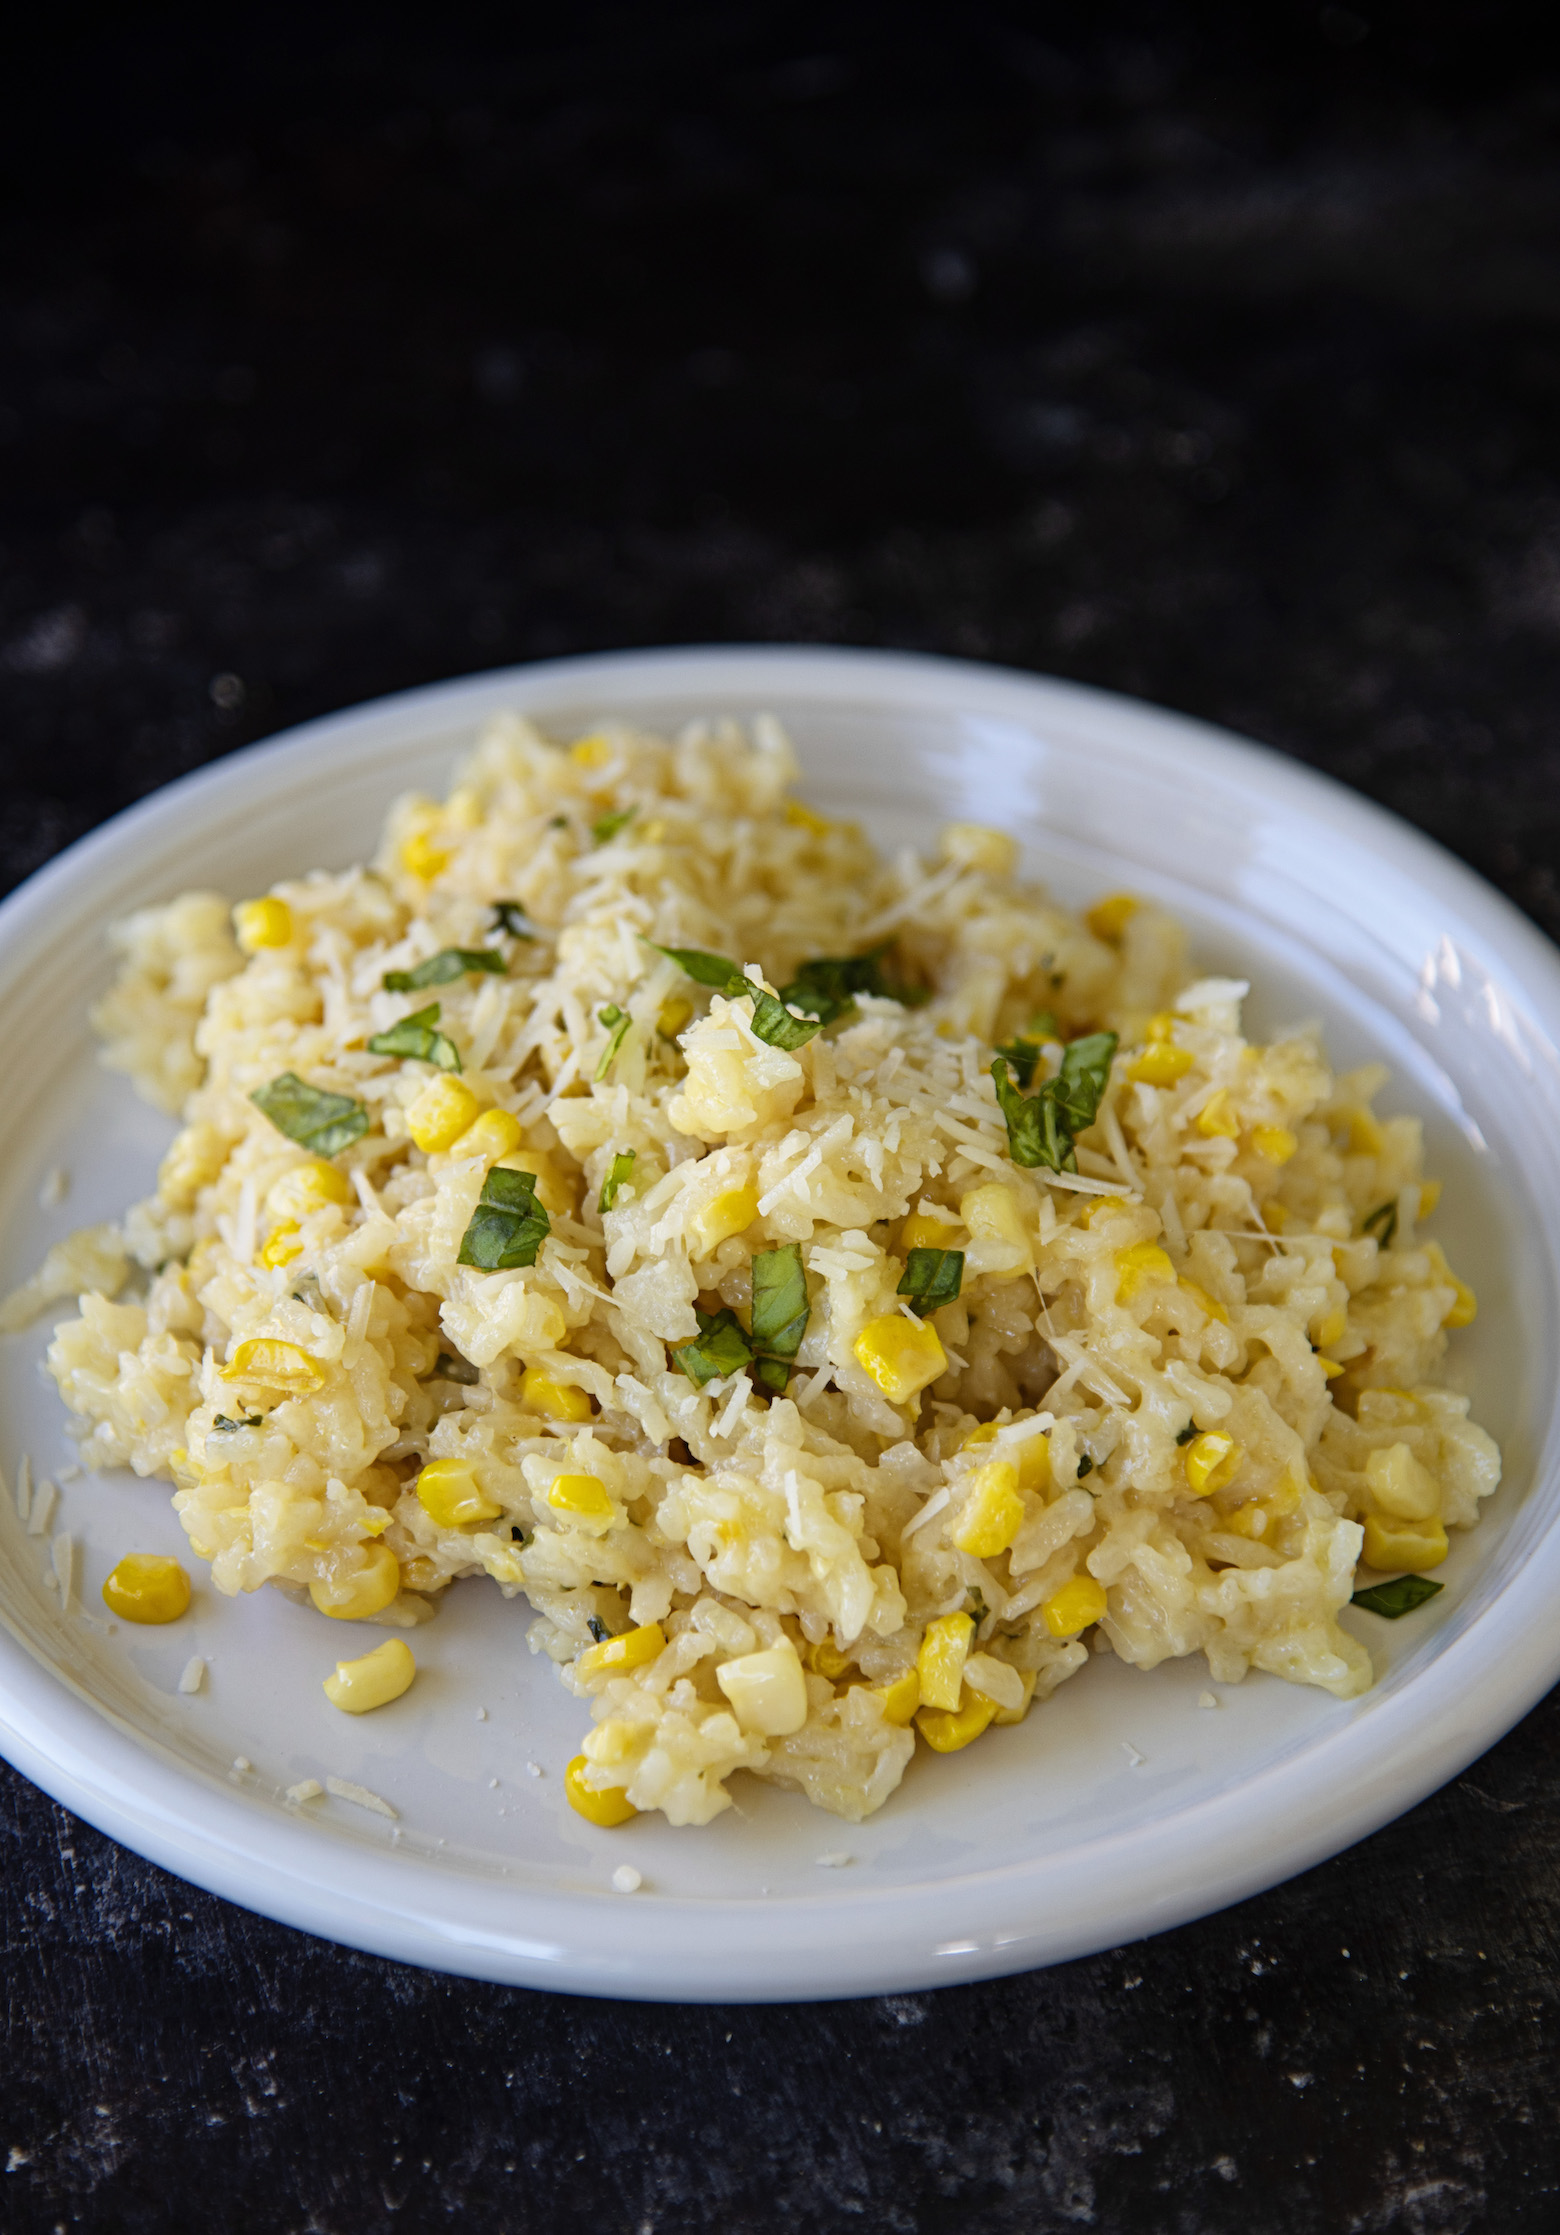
column 720, row 1348
column 1042, row 1127
column 441, row 969
column 706, row 969
column 1085, row 1465
column 780, row 1306
column 222, row 1426
column 447, row 1367
column 1398, row 1597
column 933, row 1277
column 417, row 1038
column 597, row 1628
column 606, row 827
column 1023, row 1050
column 975, row 1605
column 1384, row 1216
column 773, row 1022
column 325, row 1123
column 827, row 986
column 773, row 1373
column 619, row 1020
column 622, row 1166
column 508, row 915
column 508, row 1226
column 1188, row 1433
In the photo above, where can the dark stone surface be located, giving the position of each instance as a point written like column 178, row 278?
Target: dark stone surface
column 1210, row 356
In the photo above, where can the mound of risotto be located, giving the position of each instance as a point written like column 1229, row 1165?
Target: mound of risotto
column 837, row 1294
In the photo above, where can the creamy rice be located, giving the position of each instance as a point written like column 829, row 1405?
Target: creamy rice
column 1176, row 1385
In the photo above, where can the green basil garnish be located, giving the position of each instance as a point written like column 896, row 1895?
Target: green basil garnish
column 441, row 969
column 607, row 826
column 1042, row 1127
column 1397, row 1598
column 447, row 1367
column 222, row 1426
column 508, row 915
column 721, row 1347
column 323, row 1123
column 933, row 1277
column 1023, row 1050
column 618, row 1020
column 597, row 1628
column 417, row 1037
column 828, row 985
column 1384, row 1216
column 1188, row 1433
column 773, row 1022
column 780, row 1306
column 706, row 969
column 508, row 1226
column 622, row 1166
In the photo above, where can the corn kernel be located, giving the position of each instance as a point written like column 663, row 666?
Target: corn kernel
column 559, row 1400
column 373, row 1680
column 993, row 1512
column 1108, row 918
column 923, row 1232
column 1138, row 1268
column 1211, row 1460
column 946, row 1732
column 900, row 1699
column 672, row 1016
column 1274, row 1142
column 993, row 1217
column 1465, row 1309
column 263, row 923
column 767, row 1690
column 1274, row 1217
column 1249, row 1520
column 826, row 1659
column 307, row 1188
column 1216, row 1120
column 609, row 1807
column 442, row 1112
column 1075, row 1606
column 978, row 846
column 583, row 1498
column 1400, row 1486
column 146, row 1587
column 496, row 1133
column 616, row 1655
column 283, row 1245
column 423, row 856
column 940, row 1663
column 591, row 752
column 724, row 1215
column 1332, row 1327
column 1010, row 1715
column 1161, row 1026
column 804, row 818
column 1162, row 1065
column 1414, row 1545
column 987, row 1432
column 365, row 1592
column 1205, row 1302
column 450, row 1495
column 1330, row 1367
column 1429, row 1196
column 279, row 1365
column 901, row 1355
column 1365, row 1135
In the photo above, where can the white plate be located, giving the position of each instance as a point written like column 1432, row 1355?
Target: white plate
column 1119, row 1808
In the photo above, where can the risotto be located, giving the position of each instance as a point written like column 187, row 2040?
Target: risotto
column 836, row 1295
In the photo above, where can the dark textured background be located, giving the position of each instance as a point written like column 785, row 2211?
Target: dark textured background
column 1210, row 356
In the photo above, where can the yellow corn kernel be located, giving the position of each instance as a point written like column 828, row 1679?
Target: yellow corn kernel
column 1017, row 1714
column 616, row 1655
column 992, row 1215
column 1162, row 1064
column 262, row 923
column 826, row 1658
column 1108, row 918
column 609, row 1807
column 1274, row 1142
column 450, row 1495
column 1332, row 1327
column 1205, row 1302
column 900, row 1699
column 283, row 1245
column 442, row 1112
column 1075, row 1606
column 993, row 1512
column 1138, row 1267
column 1274, row 1217
column 496, row 1133
column 946, row 1732
column 1250, row 1520
column 560, row 1400
column 373, row 1680
column 365, row 1592
column 901, row 1355
column 423, row 855
column 1400, row 1486
column 672, row 1015
column 922, row 1232
column 147, row 1587
column 583, row 1498
column 767, row 1690
column 1160, row 1027
column 307, row 1188
column 987, row 1432
column 591, row 752
column 804, row 818
column 978, row 846
column 1414, row 1545
column 1365, row 1135
column 279, row 1365
column 724, row 1215
column 1211, row 1460
column 1465, row 1309
column 1216, row 1121
column 1032, row 1457
column 940, row 1663
column 1429, row 1196
column 1330, row 1367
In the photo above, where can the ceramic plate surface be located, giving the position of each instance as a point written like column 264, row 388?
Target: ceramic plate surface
column 1118, row 1809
